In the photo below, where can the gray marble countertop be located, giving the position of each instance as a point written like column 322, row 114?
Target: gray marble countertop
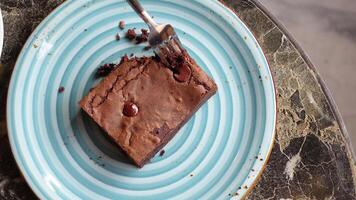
column 311, row 158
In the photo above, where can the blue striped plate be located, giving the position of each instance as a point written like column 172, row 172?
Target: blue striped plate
column 218, row 154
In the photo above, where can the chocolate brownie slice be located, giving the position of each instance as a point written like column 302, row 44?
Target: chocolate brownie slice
column 142, row 103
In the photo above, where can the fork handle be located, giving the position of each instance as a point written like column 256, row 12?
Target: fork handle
column 136, row 5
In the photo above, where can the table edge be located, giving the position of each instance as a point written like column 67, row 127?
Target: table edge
column 322, row 83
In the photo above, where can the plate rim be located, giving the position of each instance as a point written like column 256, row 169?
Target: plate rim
column 19, row 162
column 14, row 150
column 272, row 143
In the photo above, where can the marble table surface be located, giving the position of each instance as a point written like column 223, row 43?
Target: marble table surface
column 311, row 158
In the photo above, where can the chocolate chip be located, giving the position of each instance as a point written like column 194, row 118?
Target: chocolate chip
column 122, row 24
column 130, row 109
column 131, row 34
column 183, row 73
column 60, row 89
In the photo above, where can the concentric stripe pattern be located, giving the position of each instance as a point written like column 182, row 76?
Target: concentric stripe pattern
column 218, row 154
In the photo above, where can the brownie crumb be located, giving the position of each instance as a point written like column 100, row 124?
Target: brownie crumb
column 140, row 39
column 60, row 89
column 144, row 32
column 122, row 25
column 104, row 70
column 146, row 48
column 162, row 153
column 143, row 37
column 124, row 59
column 117, row 37
column 131, row 34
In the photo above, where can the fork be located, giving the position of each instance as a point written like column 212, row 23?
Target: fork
column 162, row 38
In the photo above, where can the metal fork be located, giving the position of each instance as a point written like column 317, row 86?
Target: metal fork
column 162, row 38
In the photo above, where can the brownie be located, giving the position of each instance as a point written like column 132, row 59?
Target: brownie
column 143, row 103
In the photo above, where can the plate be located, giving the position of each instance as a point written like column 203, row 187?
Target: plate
column 218, row 154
